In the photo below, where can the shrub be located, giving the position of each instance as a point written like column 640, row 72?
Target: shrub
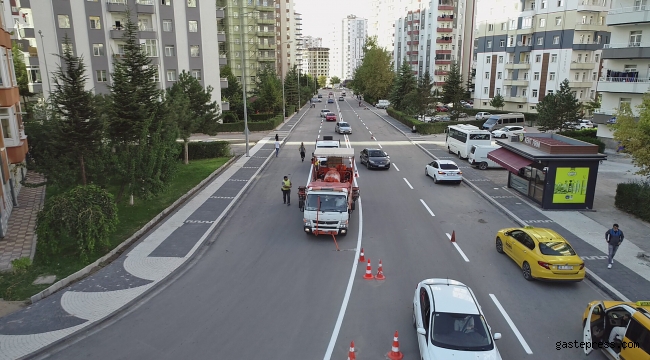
column 206, row 150
column 21, row 265
column 591, row 133
column 634, row 198
column 260, row 117
column 429, row 128
column 230, row 117
column 269, row 124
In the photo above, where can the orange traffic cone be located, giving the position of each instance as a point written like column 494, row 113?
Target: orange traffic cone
column 380, row 272
column 453, row 236
column 362, row 257
column 351, row 355
column 368, row 275
column 394, row 353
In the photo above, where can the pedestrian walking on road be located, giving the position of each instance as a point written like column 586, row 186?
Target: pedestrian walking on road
column 277, row 138
column 614, row 238
column 286, row 190
column 302, row 151
column 277, row 147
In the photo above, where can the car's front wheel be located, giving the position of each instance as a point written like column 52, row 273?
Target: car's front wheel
column 483, row 165
column 526, row 271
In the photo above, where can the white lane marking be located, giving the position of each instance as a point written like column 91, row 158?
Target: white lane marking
column 427, row 207
column 408, row 183
column 379, row 145
column 319, row 131
column 608, row 286
column 395, row 166
column 367, row 128
column 512, row 325
column 318, row 137
column 460, row 251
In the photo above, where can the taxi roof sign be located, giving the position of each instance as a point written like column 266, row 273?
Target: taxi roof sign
column 643, row 303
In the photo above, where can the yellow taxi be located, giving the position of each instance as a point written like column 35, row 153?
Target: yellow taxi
column 621, row 330
column 541, row 254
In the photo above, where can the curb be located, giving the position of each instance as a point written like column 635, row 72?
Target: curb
column 597, row 281
column 148, row 226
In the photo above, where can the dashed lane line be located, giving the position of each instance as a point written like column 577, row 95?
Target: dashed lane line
column 408, row 183
column 460, row 251
column 512, row 325
column 395, row 166
column 427, row 207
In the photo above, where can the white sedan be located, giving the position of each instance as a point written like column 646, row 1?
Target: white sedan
column 450, row 323
column 444, row 170
column 506, row 131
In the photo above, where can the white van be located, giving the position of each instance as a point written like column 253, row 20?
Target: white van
column 478, row 156
column 382, row 104
column 498, row 121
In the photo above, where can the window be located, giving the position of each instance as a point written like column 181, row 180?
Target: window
column 579, row 57
column 489, row 44
column 558, row 21
column 167, row 26
column 527, row 23
column 487, row 59
column 544, row 5
column 540, row 40
column 513, row 24
column 166, row 2
column 101, row 75
column 193, row 26
column 542, row 23
column 487, row 75
column 500, row 59
column 169, row 50
column 576, row 77
column 6, row 115
column 538, row 58
column 121, row 49
column 635, row 38
column 596, row 57
column 95, row 22
column 524, row 92
column 190, row 3
column 534, row 93
column 498, row 91
column 593, row 75
column 64, row 21
column 67, row 47
column 556, row 39
column 550, row 92
column 536, row 76
column 194, row 51
column 485, row 90
column 171, row 75
column 553, row 58
column 526, row 76
column 491, row 27
column 196, row 74
column 638, row 334
column 34, row 74
column 499, row 74
column 503, row 26
column 560, row 3
column 551, row 76
column 592, row 93
column 98, row 49
column 502, row 43
column 151, row 47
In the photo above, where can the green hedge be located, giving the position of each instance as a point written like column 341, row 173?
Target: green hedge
column 634, row 198
column 586, row 135
column 269, row 124
column 429, row 128
column 290, row 110
column 206, row 150
column 260, row 117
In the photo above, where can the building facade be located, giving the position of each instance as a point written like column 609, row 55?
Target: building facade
column 176, row 36
column 354, row 31
column 13, row 142
column 433, row 36
column 526, row 52
column 382, row 19
column 335, row 45
column 625, row 76
column 307, row 42
column 318, row 62
column 300, row 48
column 286, row 22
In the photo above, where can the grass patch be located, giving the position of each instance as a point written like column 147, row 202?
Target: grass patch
column 18, row 286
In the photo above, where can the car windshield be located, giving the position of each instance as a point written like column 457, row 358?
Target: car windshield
column 342, row 124
column 376, row 153
column 327, row 202
column 330, row 114
column 556, row 248
column 460, row 332
column 491, row 121
column 448, row 166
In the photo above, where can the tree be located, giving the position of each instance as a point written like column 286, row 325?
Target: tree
column 22, row 77
column 425, row 97
column 560, row 110
column 468, row 87
column 268, row 91
column 322, row 81
column 198, row 111
column 335, row 80
column 498, row 102
column 76, row 123
column 374, row 77
column 634, row 135
column 402, row 86
column 233, row 93
column 291, row 87
column 592, row 105
column 453, row 90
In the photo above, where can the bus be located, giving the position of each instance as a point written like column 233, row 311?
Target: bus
column 461, row 138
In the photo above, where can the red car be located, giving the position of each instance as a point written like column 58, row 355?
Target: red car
column 441, row 108
column 330, row 117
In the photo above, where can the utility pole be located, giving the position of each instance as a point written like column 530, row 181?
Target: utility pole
column 243, row 72
column 47, row 72
column 298, row 90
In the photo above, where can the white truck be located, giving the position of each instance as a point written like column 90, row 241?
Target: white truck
column 330, row 197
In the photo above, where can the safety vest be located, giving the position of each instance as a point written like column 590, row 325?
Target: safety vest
column 286, row 184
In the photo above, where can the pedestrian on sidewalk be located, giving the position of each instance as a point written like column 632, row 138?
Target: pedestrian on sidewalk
column 614, row 238
column 286, row 190
column 277, row 147
column 302, row 151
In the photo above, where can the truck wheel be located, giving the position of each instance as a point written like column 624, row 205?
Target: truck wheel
column 483, row 165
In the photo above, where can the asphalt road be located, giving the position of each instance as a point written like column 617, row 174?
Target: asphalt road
column 262, row 289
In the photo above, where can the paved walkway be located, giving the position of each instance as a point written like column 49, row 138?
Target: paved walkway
column 629, row 279
column 157, row 255
column 20, row 240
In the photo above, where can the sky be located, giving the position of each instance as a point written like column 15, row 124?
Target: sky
column 320, row 17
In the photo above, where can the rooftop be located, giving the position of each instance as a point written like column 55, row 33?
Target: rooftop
column 544, row 146
column 454, row 298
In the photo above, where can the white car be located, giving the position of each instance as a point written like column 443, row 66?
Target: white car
column 444, row 170
column 450, row 323
column 583, row 124
column 343, row 128
column 506, row 131
column 482, row 115
column 324, row 112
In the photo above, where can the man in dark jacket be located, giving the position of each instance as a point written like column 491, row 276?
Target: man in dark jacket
column 614, row 238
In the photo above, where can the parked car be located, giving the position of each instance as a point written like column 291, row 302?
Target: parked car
column 468, row 106
column 374, row 158
column 445, row 118
column 330, row 117
column 482, row 115
column 506, row 131
column 330, row 101
column 382, row 104
column 441, row 108
column 444, row 170
column 461, row 115
column 612, row 121
column 343, row 128
column 320, row 100
column 583, row 124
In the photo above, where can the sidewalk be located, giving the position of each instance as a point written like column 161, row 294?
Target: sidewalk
column 155, row 256
column 629, row 279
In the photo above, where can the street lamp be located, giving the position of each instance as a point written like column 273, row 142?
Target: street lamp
column 243, row 75
column 284, row 110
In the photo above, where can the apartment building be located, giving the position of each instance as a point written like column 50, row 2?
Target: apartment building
column 526, row 49
column 176, row 36
column 300, row 48
column 382, row 19
column 251, row 29
column 625, row 76
column 286, row 24
column 318, row 62
column 433, row 36
column 13, row 142
column 354, row 32
column 335, row 45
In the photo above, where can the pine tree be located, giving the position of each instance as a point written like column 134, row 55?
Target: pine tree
column 291, row 87
column 558, row 111
column 453, row 90
column 425, row 96
column 404, row 83
column 233, row 93
column 497, row 102
column 268, row 91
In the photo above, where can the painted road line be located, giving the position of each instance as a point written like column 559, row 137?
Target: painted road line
column 366, row 127
column 379, row 145
column 608, row 286
column 460, row 251
column 427, row 207
column 512, row 325
column 408, row 183
column 395, row 166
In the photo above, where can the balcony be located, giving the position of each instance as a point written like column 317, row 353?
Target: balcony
column 446, row 7
column 443, row 51
column 587, row 25
column 224, row 83
column 221, row 36
column 445, row 30
column 145, row 6
column 265, row 6
column 623, row 85
column 515, row 99
column 266, row 46
column 27, row 33
column 117, row 34
column 592, row 5
column 221, row 13
column 443, row 40
column 118, row 6
column 628, row 50
column 33, row 51
column 416, row 21
column 223, row 60
column 629, row 15
column 518, row 82
column 264, row 20
column 520, row 66
column 413, row 62
column 266, row 33
column 446, row 18
column 146, row 32
column 574, row 84
column 225, row 105
column 443, row 61
column 575, row 65
column 439, row 83
column 588, row 46
column 440, row 72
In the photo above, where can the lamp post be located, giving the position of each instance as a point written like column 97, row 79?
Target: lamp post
column 284, row 110
column 47, row 72
column 299, row 89
column 243, row 75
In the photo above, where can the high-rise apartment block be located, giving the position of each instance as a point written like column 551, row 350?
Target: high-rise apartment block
column 286, row 24
column 300, row 47
column 354, row 31
column 382, row 19
column 318, row 62
column 525, row 49
column 433, row 36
